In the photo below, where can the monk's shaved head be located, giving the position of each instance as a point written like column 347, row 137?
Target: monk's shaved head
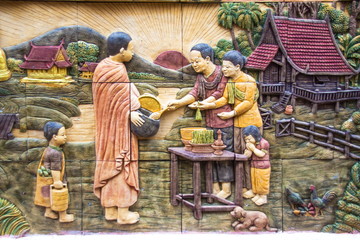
column 116, row 41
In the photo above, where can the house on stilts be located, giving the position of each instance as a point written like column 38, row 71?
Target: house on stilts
column 300, row 59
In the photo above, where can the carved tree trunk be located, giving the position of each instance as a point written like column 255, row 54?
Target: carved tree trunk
column 292, row 10
column 313, row 9
column 235, row 43
column 251, row 42
column 355, row 11
column 302, row 9
column 279, row 8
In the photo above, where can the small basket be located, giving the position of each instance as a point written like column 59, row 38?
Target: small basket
column 59, row 198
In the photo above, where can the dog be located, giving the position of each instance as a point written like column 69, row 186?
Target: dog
column 251, row 220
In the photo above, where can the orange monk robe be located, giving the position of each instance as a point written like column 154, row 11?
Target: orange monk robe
column 116, row 180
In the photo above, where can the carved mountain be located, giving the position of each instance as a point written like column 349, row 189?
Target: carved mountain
column 79, row 33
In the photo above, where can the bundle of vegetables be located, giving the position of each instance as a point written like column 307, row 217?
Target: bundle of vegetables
column 44, row 172
column 203, row 137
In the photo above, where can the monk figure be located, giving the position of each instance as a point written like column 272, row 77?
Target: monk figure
column 116, row 181
column 209, row 86
column 241, row 92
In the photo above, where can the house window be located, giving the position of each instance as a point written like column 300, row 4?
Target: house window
column 321, row 80
column 275, row 76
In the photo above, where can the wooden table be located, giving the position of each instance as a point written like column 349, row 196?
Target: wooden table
column 207, row 158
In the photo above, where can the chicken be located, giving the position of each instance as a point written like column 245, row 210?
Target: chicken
column 320, row 203
column 295, row 199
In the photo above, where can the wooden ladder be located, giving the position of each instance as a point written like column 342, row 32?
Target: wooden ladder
column 281, row 105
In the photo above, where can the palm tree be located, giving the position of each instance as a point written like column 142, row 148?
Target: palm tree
column 249, row 17
column 350, row 47
column 227, row 16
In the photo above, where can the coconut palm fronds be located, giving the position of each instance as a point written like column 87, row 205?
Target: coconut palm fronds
column 12, row 222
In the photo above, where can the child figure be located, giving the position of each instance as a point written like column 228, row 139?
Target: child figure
column 257, row 148
column 51, row 172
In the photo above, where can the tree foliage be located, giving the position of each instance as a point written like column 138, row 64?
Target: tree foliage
column 350, row 47
column 347, row 216
column 247, row 16
column 222, row 47
column 227, row 15
column 12, row 220
column 338, row 19
column 13, row 65
column 80, row 52
column 244, row 44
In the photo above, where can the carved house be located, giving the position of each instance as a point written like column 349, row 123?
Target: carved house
column 46, row 62
column 300, row 58
column 87, row 70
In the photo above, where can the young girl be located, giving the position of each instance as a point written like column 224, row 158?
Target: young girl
column 257, row 148
column 51, row 171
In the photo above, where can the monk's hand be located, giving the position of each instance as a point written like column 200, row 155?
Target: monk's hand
column 136, row 118
column 206, row 105
column 155, row 115
column 226, row 115
column 58, row 184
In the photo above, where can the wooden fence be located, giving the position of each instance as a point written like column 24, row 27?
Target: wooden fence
column 266, row 116
column 325, row 136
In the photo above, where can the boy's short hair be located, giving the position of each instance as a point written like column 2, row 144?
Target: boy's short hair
column 51, row 129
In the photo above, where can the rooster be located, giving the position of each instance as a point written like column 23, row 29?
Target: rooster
column 294, row 199
column 320, row 203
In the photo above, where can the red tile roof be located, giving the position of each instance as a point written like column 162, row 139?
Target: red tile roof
column 262, row 56
column 88, row 67
column 309, row 44
column 44, row 57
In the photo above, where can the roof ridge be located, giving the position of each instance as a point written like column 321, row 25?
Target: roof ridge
column 300, row 19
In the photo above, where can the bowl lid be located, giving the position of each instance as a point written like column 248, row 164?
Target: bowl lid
column 150, row 102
